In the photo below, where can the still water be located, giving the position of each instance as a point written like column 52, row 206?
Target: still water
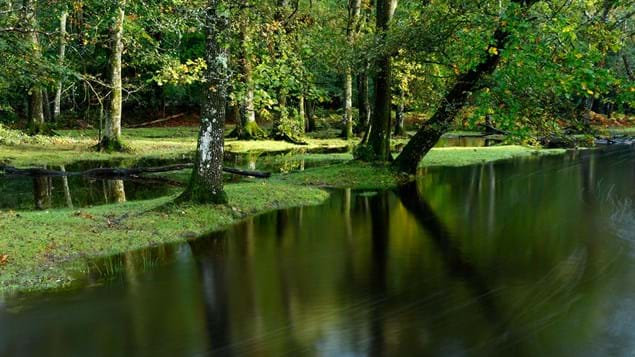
column 531, row 257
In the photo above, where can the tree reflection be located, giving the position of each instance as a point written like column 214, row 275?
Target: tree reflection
column 209, row 253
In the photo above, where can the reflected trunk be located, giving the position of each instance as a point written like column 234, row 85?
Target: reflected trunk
column 116, row 191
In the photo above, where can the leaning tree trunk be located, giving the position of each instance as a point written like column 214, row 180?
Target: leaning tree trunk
column 206, row 183
column 36, row 101
column 57, row 106
column 111, row 141
column 379, row 139
column 430, row 132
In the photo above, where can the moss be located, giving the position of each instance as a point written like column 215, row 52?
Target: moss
column 351, row 174
column 252, row 131
column 461, row 156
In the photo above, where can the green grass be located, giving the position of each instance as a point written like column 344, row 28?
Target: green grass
column 461, row 156
column 627, row 131
column 47, row 249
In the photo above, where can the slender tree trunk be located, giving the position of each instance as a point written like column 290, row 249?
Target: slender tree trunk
column 250, row 128
column 379, row 138
column 348, row 104
column 354, row 10
column 206, row 183
column 399, row 114
column 363, row 101
column 430, row 132
column 112, row 135
column 57, row 106
column 301, row 113
column 46, row 106
column 36, row 101
column 67, row 190
column 310, row 115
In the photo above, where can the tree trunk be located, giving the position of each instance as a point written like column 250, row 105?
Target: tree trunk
column 347, row 132
column 206, row 183
column 363, row 101
column 301, row 113
column 111, row 140
column 354, row 10
column 46, row 106
column 57, row 106
column 430, row 132
column 399, row 114
column 250, row 129
column 116, row 191
column 310, row 115
column 67, row 190
column 379, row 138
column 36, row 101
column 399, row 120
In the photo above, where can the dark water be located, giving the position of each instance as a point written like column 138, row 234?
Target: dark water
column 27, row 193
column 531, row 257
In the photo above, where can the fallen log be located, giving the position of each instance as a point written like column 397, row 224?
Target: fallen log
column 157, row 121
column 258, row 174
column 103, row 173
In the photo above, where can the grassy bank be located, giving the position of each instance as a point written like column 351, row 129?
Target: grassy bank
column 46, row 249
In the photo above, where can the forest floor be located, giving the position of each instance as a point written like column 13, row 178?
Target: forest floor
column 51, row 248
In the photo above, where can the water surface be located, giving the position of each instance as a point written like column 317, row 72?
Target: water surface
column 526, row 257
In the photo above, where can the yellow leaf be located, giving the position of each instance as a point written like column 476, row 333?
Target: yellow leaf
column 493, row 51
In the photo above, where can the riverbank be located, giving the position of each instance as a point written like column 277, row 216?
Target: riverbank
column 48, row 249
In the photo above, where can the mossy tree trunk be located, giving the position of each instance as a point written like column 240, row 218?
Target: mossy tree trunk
column 206, row 183
column 430, row 132
column 111, row 141
column 249, row 127
column 36, row 121
column 379, row 139
column 354, row 10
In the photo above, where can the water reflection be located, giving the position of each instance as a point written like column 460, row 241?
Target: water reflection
column 526, row 257
column 40, row 193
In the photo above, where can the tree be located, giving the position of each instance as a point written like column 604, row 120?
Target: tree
column 57, row 104
column 354, row 11
column 247, row 128
column 36, row 99
column 206, row 183
column 379, row 139
column 111, row 141
column 431, row 131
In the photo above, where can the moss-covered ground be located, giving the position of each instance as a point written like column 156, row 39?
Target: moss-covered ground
column 43, row 249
